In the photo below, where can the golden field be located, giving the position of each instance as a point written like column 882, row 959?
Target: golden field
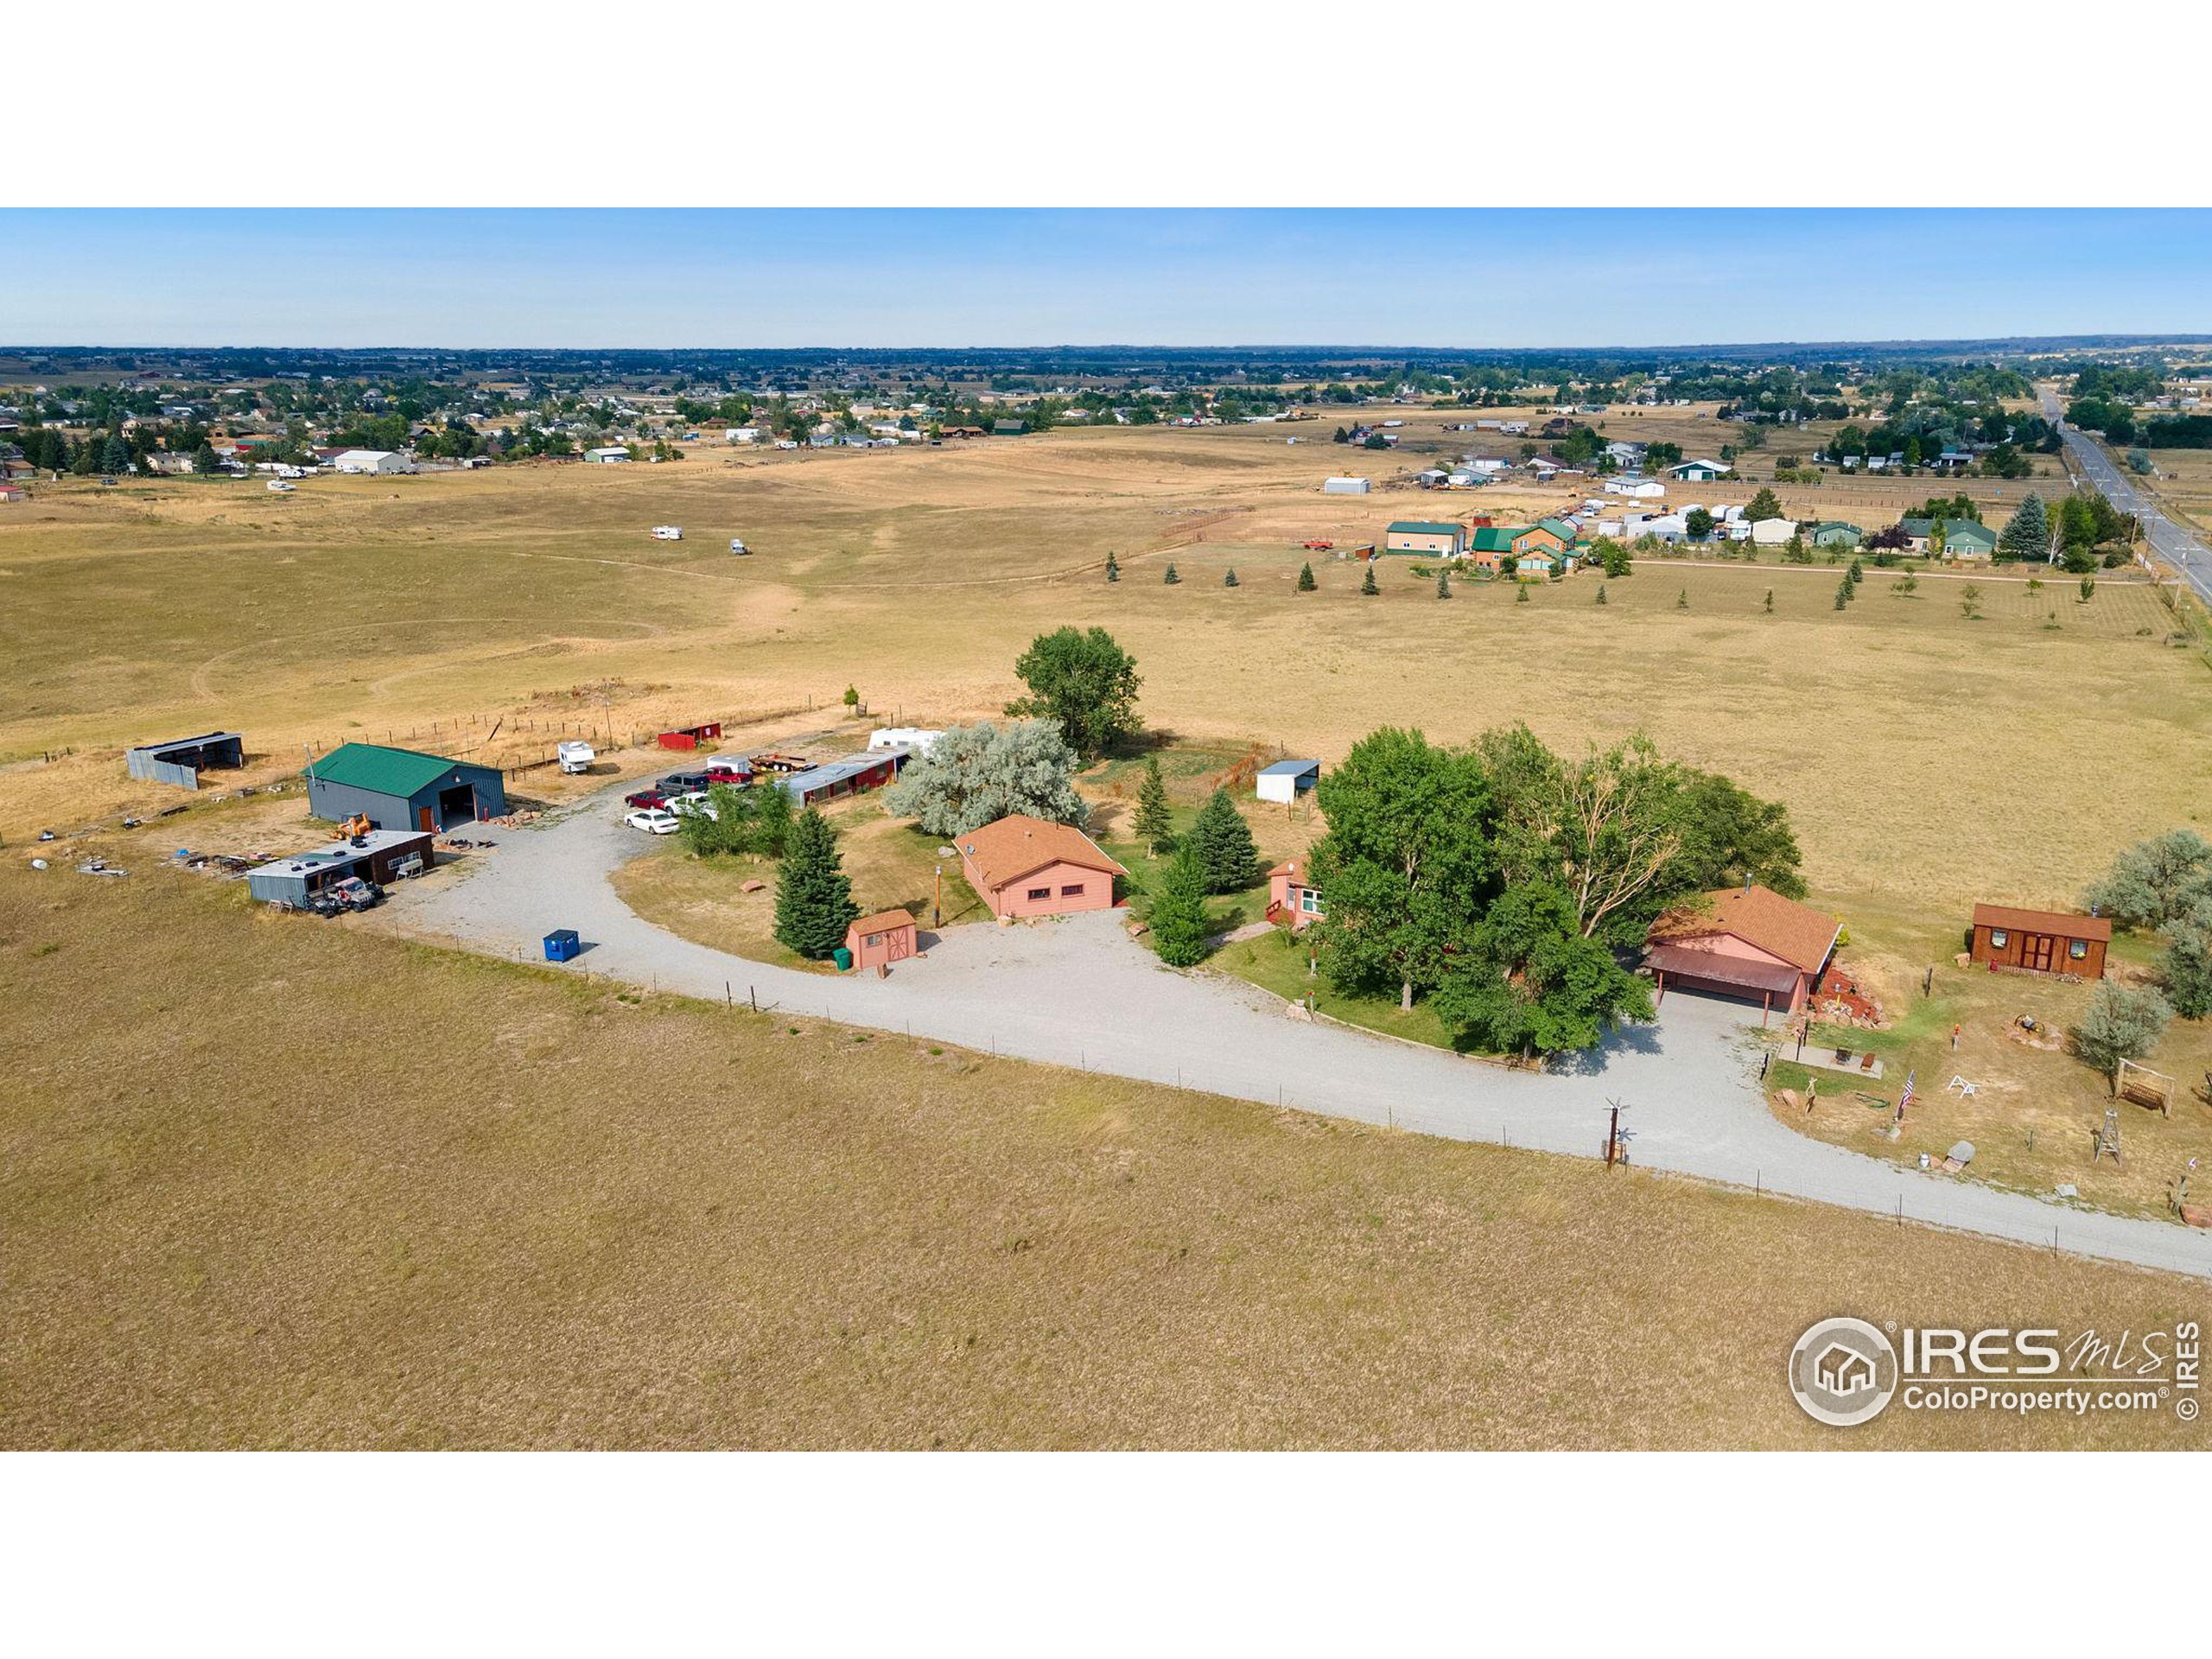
column 1923, row 753
column 271, row 1182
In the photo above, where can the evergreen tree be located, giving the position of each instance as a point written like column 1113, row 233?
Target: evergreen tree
column 1601, row 593
column 2088, row 586
column 1305, row 583
column 1170, row 578
column 1843, row 592
column 1113, row 568
column 814, row 896
column 115, row 454
column 1367, row 582
column 204, row 460
column 1229, row 578
column 1222, row 842
column 1857, row 573
column 1769, row 601
column 1765, row 505
column 1178, row 920
column 1520, row 592
column 1683, row 600
column 1155, row 827
column 2028, row 534
column 1444, row 584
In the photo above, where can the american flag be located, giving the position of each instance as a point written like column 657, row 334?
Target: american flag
column 1905, row 1099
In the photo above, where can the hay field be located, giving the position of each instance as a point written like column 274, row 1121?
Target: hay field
column 279, row 1183
column 1923, row 753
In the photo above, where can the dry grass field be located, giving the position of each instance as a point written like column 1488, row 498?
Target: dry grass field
column 1923, row 753
column 277, row 1183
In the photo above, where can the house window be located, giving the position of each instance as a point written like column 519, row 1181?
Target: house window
column 1309, row 901
column 1074, row 892
column 2078, row 949
column 1999, row 938
column 1040, row 892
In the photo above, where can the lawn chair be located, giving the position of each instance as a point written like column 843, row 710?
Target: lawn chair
column 1965, row 1090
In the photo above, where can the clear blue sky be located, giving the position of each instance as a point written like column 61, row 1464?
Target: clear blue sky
column 1472, row 277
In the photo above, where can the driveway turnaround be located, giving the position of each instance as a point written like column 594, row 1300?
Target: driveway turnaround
column 1079, row 991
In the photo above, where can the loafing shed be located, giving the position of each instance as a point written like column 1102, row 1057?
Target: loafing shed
column 180, row 760
column 401, row 789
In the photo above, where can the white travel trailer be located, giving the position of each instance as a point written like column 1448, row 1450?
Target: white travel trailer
column 668, row 532
column 576, row 757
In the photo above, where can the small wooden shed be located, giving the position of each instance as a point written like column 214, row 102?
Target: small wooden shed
column 882, row 940
column 2040, row 941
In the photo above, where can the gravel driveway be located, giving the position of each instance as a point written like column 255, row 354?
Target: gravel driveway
column 1079, row 991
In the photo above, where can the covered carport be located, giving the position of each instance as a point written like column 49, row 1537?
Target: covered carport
column 1712, row 973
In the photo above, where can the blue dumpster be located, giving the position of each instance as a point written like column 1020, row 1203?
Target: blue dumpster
column 562, row 945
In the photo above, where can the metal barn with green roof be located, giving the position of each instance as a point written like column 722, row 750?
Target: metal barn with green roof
column 403, row 789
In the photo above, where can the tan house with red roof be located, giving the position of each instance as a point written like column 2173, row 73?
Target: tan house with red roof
column 1747, row 942
column 1022, row 866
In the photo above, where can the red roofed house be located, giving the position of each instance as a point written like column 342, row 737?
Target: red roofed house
column 879, row 940
column 1751, row 942
column 1291, row 896
column 1022, row 866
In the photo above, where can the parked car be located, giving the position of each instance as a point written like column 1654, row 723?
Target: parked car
column 646, row 798
column 653, row 821
column 681, row 783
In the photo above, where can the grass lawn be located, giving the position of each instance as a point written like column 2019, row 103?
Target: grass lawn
column 2035, row 1112
column 504, row 1207
column 1276, row 962
column 893, row 865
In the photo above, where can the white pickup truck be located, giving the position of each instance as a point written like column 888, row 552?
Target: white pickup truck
column 668, row 532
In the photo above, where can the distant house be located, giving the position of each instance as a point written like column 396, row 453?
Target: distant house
column 1773, row 532
column 1008, row 429
column 1547, row 535
column 1744, row 942
column 1834, row 532
column 1425, row 536
column 1642, row 489
column 14, row 493
column 609, row 456
column 1966, row 540
column 1022, row 865
column 2040, row 941
column 1567, row 529
column 371, row 460
column 1345, row 487
column 743, row 434
column 1292, row 898
column 1697, row 472
column 1534, row 564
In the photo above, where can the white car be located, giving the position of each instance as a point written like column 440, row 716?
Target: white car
column 653, row 821
column 696, row 801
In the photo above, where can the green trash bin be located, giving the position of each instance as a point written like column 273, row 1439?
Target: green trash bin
column 843, row 958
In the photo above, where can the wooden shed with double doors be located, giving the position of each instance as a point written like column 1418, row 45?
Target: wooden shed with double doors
column 879, row 940
column 2040, row 941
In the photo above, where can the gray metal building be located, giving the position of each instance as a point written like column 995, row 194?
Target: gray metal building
column 182, row 760
column 403, row 789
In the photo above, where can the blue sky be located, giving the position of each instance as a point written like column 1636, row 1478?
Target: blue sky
column 1472, row 277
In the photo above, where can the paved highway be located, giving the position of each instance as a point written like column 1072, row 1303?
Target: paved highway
column 2181, row 551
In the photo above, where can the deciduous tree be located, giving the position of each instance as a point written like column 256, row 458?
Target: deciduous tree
column 1084, row 682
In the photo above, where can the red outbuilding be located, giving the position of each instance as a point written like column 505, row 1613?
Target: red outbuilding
column 877, row 941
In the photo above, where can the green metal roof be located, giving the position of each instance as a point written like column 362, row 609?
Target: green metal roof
column 385, row 772
column 1965, row 530
column 1421, row 527
column 1558, row 527
column 1494, row 538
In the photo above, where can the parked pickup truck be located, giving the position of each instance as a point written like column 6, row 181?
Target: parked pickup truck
column 1318, row 547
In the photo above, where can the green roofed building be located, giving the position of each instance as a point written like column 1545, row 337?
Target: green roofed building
column 403, row 789
column 1424, row 536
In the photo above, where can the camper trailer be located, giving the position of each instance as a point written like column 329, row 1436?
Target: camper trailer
column 668, row 532
column 576, row 757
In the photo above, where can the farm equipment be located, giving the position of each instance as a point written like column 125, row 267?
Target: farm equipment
column 1318, row 546
column 354, row 828
column 773, row 762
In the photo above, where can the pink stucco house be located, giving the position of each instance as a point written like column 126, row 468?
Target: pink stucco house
column 1293, row 899
column 1022, row 866
column 1745, row 942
